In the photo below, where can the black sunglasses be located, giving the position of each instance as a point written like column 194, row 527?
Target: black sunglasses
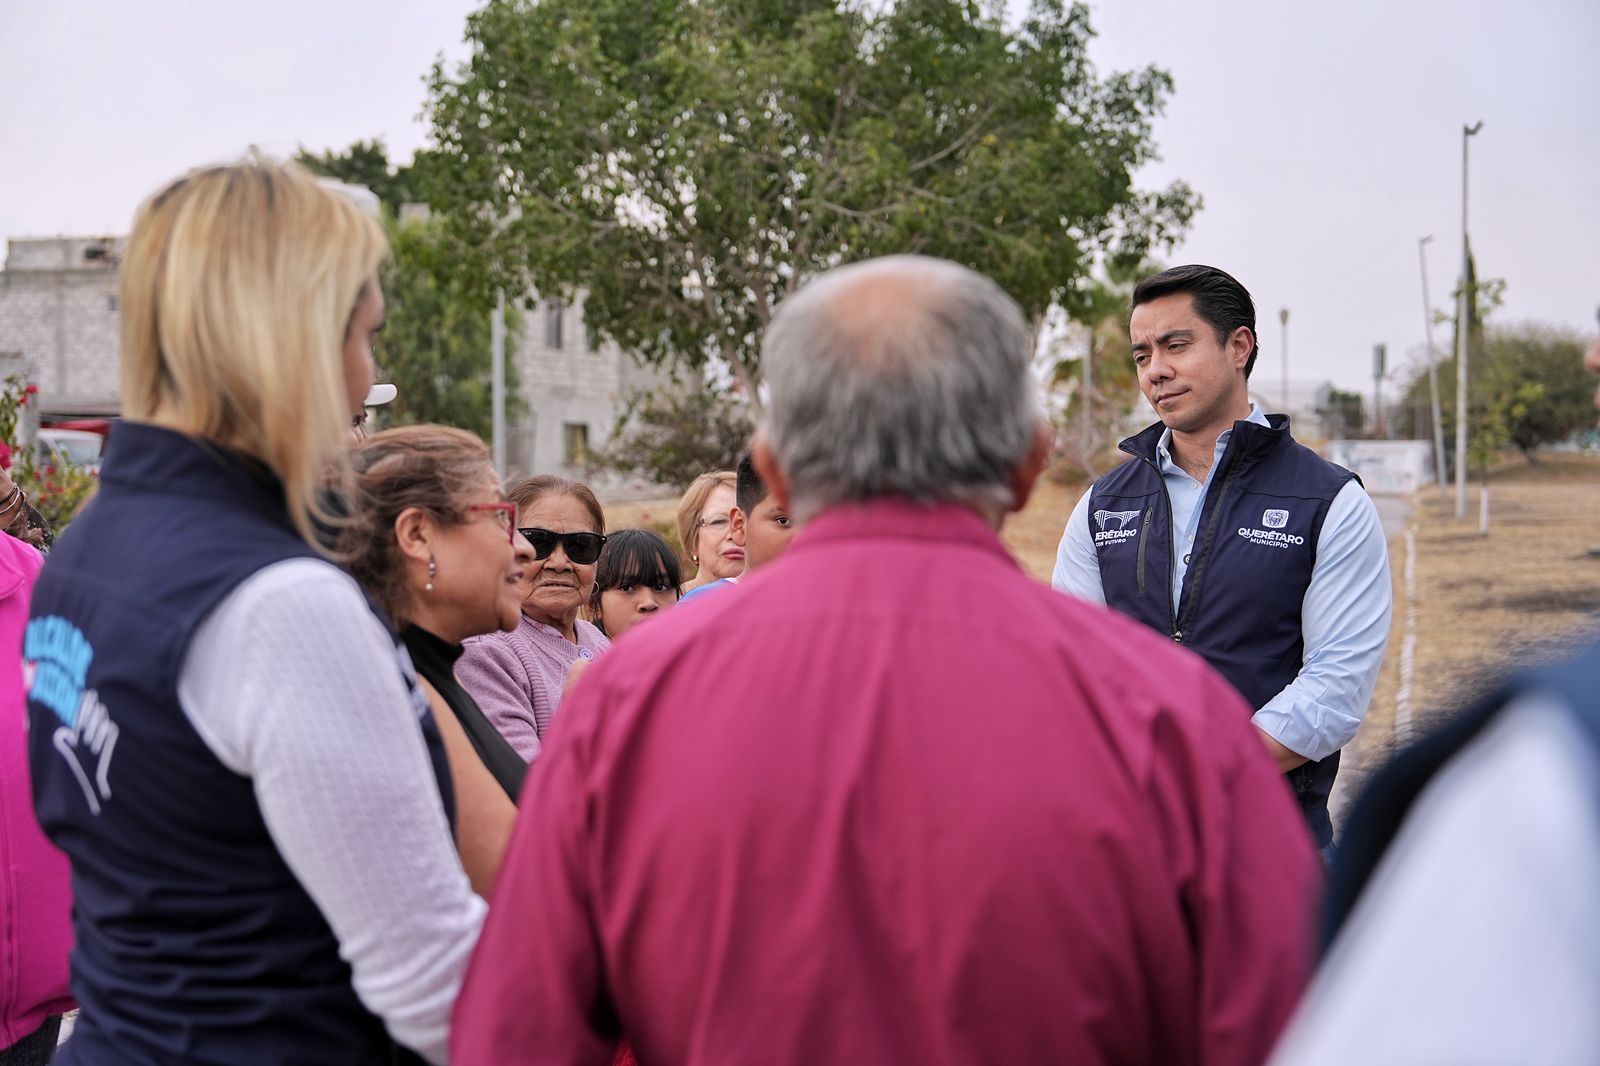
column 581, row 548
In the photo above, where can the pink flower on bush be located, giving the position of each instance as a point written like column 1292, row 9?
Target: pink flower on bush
column 5, row 456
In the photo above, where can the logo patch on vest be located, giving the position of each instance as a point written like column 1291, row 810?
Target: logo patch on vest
column 1272, row 538
column 1114, row 526
column 55, row 666
column 1274, row 519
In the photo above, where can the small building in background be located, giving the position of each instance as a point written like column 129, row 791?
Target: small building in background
column 59, row 323
column 572, row 386
column 59, row 328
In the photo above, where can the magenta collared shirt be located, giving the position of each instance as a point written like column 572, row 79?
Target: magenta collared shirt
column 896, row 802
column 517, row 678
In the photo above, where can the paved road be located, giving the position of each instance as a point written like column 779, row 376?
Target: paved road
column 1393, row 512
column 1367, row 750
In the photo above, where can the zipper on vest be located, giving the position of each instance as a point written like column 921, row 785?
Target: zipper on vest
column 1144, row 530
column 1199, row 559
column 1166, row 499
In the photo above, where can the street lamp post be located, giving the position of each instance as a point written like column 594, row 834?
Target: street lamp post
column 1283, row 321
column 1463, row 328
column 497, row 371
column 1433, row 368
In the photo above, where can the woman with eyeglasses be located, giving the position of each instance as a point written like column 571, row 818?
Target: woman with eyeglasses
column 518, row 677
column 433, row 540
column 226, row 741
column 710, row 554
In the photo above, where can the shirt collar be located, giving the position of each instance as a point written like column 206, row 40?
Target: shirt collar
column 1164, row 445
column 947, row 522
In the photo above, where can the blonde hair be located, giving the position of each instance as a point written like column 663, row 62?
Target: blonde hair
column 691, row 506
column 237, row 290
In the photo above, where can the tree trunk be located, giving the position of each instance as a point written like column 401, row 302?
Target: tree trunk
column 745, row 375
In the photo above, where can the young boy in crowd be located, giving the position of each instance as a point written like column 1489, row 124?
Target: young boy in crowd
column 763, row 527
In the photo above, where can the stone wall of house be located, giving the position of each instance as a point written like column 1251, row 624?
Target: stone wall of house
column 572, row 390
column 58, row 311
column 58, row 317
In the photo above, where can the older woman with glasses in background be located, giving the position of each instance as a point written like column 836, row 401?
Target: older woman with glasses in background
column 518, row 677
column 703, row 527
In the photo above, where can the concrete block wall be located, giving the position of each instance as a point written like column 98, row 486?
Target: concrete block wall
column 58, row 308
column 570, row 385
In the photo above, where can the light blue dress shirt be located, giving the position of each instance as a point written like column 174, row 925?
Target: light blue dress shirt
column 1344, row 619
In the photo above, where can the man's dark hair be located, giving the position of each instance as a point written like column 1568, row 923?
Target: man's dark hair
column 1218, row 298
column 748, row 489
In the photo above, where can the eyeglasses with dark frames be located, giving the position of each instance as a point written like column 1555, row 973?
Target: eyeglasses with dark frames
column 507, row 512
column 581, row 548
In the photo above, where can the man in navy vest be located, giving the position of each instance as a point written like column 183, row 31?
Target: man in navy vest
column 1223, row 532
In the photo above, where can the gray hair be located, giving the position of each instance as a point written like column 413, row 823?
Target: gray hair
column 928, row 398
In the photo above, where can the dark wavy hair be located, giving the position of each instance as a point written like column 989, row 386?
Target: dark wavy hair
column 435, row 469
column 1218, row 298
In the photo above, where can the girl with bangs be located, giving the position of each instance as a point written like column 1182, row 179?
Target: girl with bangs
column 637, row 578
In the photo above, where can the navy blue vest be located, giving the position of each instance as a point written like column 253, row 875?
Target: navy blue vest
column 1253, row 555
column 195, row 943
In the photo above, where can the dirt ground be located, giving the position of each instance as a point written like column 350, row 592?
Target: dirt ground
column 1482, row 605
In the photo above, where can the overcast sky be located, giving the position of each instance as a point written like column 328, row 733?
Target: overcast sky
column 1325, row 138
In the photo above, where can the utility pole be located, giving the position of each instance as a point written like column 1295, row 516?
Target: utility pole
column 1433, row 369
column 1283, row 320
column 1463, row 328
column 1380, row 354
column 497, row 372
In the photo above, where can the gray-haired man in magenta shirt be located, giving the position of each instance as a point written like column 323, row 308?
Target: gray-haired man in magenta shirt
column 894, row 801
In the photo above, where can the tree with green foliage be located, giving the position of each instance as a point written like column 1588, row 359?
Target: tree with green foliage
column 688, row 165
column 672, row 436
column 1099, row 378
column 366, row 163
column 435, row 340
column 1526, row 387
column 440, row 294
column 1344, row 413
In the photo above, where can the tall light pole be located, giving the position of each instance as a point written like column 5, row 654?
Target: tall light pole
column 1433, row 367
column 1380, row 355
column 1283, row 321
column 497, row 372
column 1463, row 328
column 497, row 353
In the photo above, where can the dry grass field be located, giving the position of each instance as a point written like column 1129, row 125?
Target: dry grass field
column 1484, row 606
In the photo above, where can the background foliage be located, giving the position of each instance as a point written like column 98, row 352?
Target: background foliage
column 689, row 164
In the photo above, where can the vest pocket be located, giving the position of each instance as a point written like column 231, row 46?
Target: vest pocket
column 1144, row 533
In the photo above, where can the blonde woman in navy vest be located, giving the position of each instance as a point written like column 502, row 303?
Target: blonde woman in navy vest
column 227, row 743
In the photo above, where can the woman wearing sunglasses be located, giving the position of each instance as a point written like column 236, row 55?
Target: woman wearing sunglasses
column 433, row 540
column 517, row 677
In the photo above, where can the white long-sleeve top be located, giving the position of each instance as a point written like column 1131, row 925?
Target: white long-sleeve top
column 292, row 682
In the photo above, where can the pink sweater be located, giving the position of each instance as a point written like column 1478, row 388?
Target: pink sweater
column 35, row 894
